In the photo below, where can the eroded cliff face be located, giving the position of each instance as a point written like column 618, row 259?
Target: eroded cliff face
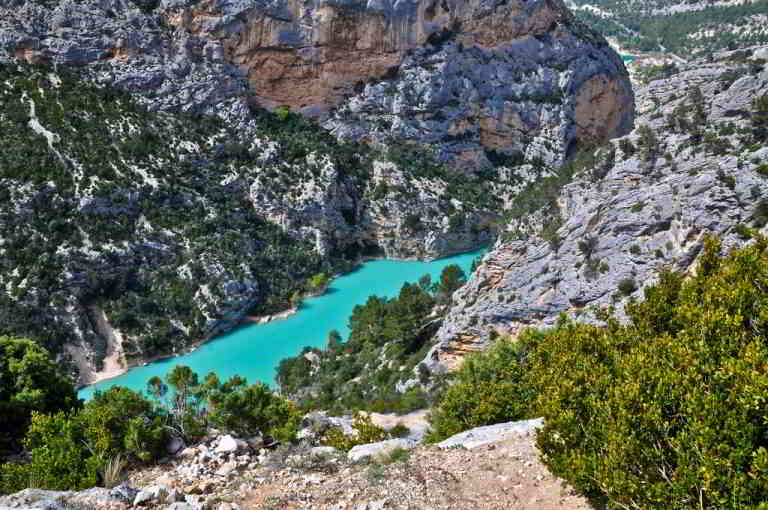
column 692, row 168
column 311, row 54
column 461, row 103
column 464, row 76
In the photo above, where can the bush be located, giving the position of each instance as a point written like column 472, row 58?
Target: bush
column 73, row 450
column 665, row 412
column 29, row 381
column 247, row 410
column 487, row 390
column 367, row 432
column 627, row 286
column 399, row 430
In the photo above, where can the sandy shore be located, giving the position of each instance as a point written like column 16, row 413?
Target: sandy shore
column 263, row 319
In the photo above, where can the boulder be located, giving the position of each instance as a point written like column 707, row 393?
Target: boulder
column 175, row 445
column 320, row 451
column 182, row 506
column 188, row 452
column 491, row 434
column 174, row 496
column 227, row 469
column 364, row 451
column 151, row 496
column 226, row 444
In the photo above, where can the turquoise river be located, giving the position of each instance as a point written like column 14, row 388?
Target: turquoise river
column 254, row 351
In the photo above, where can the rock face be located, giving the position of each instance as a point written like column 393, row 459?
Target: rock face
column 467, row 75
column 635, row 209
column 501, row 90
column 366, row 451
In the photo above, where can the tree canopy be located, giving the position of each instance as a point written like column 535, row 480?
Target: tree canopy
column 29, row 381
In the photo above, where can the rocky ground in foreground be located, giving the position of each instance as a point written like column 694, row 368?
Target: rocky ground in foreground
column 494, row 467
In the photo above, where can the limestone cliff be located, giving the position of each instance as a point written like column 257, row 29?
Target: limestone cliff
column 470, row 76
column 694, row 166
column 462, row 103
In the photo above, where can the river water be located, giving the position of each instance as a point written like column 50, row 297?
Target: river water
column 254, row 351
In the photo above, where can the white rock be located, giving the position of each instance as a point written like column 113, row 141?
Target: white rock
column 491, row 434
column 188, row 452
column 226, row 444
column 153, row 495
column 227, row 469
column 381, row 448
column 318, row 451
column 182, row 506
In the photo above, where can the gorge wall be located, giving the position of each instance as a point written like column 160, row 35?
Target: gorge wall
column 461, row 104
column 694, row 166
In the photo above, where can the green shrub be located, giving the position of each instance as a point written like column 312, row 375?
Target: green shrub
column 367, row 432
column 58, row 459
column 399, row 430
column 667, row 411
column 398, row 455
column 72, row 451
column 627, row 286
column 487, row 390
column 29, row 381
column 246, row 410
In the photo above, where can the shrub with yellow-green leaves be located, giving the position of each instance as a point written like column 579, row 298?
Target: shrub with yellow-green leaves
column 487, row 390
column 668, row 411
column 70, row 450
column 367, row 432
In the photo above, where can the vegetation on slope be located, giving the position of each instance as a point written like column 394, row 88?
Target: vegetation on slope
column 29, row 382
column 387, row 339
column 128, row 210
column 75, row 447
column 153, row 217
column 651, row 26
column 667, row 411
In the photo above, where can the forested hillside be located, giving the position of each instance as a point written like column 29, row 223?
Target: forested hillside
column 154, row 228
column 690, row 28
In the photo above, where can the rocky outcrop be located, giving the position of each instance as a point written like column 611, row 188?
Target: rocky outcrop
column 382, row 448
column 469, row 76
column 481, row 436
column 635, row 209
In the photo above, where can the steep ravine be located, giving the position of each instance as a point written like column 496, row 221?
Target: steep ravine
column 177, row 225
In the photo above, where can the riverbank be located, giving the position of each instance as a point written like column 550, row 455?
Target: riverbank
column 255, row 349
column 263, row 319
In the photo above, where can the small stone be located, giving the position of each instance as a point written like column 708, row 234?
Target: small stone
column 174, row 495
column 319, row 451
column 227, row 469
column 150, row 494
column 188, row 452
column 181, row 506
column 175, row 445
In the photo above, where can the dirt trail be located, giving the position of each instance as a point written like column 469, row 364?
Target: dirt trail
column 507, row 475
